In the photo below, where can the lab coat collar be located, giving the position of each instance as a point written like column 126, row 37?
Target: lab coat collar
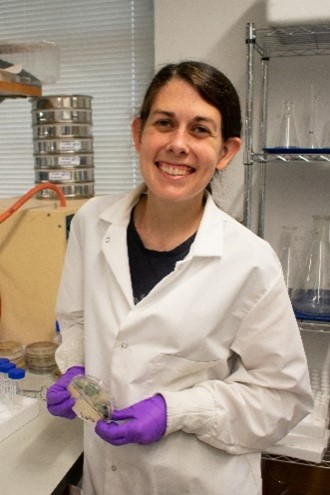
column 119, row 212
column 209, row 238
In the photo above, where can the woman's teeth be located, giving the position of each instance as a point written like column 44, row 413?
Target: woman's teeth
column 175, row 169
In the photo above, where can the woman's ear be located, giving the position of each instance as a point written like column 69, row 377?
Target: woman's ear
column 229, row 150
column 136, row 133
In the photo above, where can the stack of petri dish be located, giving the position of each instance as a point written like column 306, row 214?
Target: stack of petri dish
column 13, row 351
column 40, row 357
column 63, row 144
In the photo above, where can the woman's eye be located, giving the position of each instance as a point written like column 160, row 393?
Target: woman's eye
column 200, row 130
column 163, row 124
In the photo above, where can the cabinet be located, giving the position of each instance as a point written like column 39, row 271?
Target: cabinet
column 267, row 44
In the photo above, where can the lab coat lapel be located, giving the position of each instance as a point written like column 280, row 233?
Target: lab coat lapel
column 114, row 243
column 114, row 248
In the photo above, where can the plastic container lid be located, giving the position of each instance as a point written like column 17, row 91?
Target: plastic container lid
column 5, row 367
column 42, row 349
column 11, row 349
column 92, row 398
column 40, row 356
column 16, row 373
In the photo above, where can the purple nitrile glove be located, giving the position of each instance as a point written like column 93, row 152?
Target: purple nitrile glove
column 59, row 400
column 145, row 422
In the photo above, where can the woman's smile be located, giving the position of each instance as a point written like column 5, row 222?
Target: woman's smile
column 174, row 169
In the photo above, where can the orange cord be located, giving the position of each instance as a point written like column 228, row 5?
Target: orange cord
column 29, row 194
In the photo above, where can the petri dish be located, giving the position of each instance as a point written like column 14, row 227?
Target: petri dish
column 92, row 398
column 13, row 351
column 40, row 356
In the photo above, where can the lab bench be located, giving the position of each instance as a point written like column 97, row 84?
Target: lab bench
column 38, row 458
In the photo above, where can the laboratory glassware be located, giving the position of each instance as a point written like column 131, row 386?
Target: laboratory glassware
column 312, row 141
column 311, row 295
column 326, row 138
column 288, row 256
column 287, row 134
column 92, row 398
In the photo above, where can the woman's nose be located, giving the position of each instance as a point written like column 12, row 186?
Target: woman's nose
column 178, row 142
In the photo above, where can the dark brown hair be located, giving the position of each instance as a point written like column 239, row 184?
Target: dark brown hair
column 212, row 85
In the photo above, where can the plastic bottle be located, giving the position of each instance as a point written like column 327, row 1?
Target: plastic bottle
column 4, row 382
column 57, row 337
column 16, row 380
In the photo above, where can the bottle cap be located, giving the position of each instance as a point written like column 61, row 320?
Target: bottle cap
column 16, row 373
column 4, row 360
column 5, row 367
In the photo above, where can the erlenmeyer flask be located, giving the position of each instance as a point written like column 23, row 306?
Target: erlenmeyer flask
column 287, row 135
column 311, row 295
column 288, row 256
column 312, row 141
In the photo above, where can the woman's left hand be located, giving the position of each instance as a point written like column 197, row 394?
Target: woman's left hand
column 145, row 422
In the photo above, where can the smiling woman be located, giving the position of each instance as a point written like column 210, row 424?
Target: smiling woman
column 159, row 300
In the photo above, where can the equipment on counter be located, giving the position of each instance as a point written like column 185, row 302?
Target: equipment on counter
column 32, row 248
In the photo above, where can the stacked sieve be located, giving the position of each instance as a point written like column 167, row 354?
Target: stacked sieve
column 63, row 144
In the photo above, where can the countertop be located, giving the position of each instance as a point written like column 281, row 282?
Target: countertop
column 35, row 458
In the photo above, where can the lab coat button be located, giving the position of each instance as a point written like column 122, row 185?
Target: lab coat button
column 113, row 468
column 124, row 345
column 107, row 239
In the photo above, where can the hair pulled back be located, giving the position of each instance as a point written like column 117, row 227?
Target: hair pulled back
column 211, row 84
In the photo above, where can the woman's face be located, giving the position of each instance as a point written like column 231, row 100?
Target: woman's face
column 181, row 146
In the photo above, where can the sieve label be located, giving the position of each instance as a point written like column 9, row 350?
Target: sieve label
column 59, row 175
column 70, row 145
column 69, row 160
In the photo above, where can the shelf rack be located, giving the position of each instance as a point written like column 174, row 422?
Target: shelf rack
column 267, row 43
column 325, row 464
column 313, row 327
column 293, row 41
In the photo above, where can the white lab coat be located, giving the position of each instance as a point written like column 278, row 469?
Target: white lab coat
column 217, row 337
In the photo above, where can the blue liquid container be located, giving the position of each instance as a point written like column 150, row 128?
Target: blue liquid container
column 312, row 305
column 311, row 296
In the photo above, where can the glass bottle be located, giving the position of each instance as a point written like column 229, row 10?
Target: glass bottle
column 287, row 134
column 288, row 256
column 311, row 295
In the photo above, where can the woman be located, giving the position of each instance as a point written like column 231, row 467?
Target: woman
column 181, row 310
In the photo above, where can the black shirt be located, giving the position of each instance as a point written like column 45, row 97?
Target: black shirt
column 147, row 266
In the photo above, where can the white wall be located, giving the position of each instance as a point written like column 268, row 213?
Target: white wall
column 214, row 31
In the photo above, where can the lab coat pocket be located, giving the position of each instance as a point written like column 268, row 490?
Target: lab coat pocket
column 174, row 373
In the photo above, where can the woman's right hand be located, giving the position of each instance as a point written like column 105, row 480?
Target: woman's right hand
column 59, row 400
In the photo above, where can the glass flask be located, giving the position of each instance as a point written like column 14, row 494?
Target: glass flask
column 311, row 295
column 312, row 141
column 326, row 138
column 287, row 134
column 288, row 256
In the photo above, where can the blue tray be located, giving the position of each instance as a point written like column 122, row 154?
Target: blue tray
column 298, row 151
